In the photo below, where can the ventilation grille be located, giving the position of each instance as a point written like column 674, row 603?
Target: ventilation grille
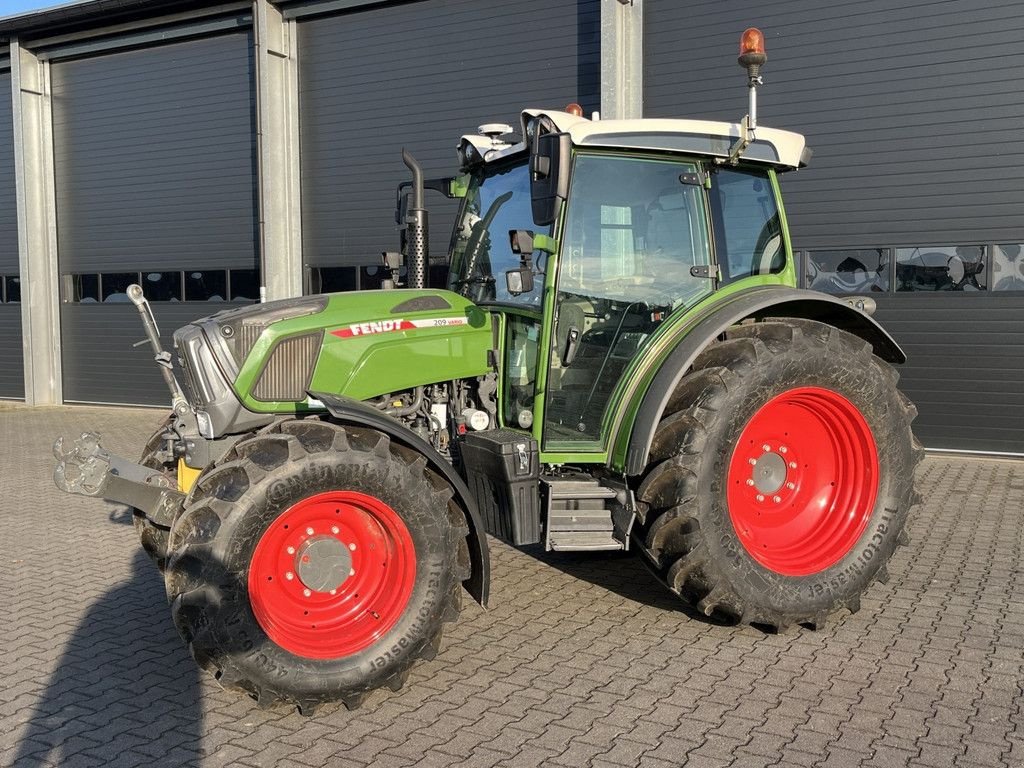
column 286, row 375
column 248, row 334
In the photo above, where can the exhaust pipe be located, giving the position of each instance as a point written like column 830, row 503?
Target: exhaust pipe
column 416, row 222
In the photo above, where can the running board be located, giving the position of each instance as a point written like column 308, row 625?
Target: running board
column 580, row 515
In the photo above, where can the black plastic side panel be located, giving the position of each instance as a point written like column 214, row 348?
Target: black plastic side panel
column 761, row 302
column 357, row 413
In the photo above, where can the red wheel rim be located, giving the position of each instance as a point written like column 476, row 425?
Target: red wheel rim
column 332, row 574
column 803, row 480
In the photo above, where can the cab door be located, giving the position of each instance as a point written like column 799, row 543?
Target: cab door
column 635, row 250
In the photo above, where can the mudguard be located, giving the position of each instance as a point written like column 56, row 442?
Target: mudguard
column 354, row 412
column 760, row 302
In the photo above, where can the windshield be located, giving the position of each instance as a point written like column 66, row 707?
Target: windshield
column 498, row 200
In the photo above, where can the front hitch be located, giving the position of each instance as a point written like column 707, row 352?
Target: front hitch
column 86, row 469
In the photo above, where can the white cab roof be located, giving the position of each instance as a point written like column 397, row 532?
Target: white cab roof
column 784, row 150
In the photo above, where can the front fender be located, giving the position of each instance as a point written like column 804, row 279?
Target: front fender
column 347, row 411
column 761, row 302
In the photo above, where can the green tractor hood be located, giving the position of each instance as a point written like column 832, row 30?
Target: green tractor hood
column 359, row 345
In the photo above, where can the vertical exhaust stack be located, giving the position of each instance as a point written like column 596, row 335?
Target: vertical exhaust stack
column 416, row 223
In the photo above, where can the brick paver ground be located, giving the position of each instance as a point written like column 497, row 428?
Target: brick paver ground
column 580, row 661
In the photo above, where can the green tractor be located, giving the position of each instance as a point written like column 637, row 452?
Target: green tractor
column 620, row 361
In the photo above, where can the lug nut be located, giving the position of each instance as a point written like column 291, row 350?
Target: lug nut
column 776, row 499
column 752, row 461
column 782, row 449
column 750, row 481
column 760, row 497
column 335, row 530
column 351, row 571
column 352, row 546
column 791, row 486
column 792, row 465
column 766, row 447
column 334, row 591
column 289, row 575
column 306, row 592
column 291, row 550
column 309, row 531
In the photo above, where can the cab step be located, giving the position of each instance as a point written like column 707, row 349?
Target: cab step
column 579, row 514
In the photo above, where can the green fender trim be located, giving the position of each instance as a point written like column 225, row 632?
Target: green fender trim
column 761, row 302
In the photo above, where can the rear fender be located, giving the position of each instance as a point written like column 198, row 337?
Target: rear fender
column 346, row 411
column 759, row 303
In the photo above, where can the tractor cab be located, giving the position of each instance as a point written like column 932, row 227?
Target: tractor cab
column 588, row 240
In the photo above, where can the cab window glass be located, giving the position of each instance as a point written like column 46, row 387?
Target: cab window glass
column 634, row 231
column 747, row 226
column 497, row 202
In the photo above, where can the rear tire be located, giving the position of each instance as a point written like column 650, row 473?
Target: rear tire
column 391, row 543
column 153, row 537
column 781, row 475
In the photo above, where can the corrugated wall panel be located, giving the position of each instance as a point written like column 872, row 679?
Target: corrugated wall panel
column 98, row 346
column 914, row 117
column 8, row 193
column 419, row 75
column 912, row 111
column 965, row 367
column 12, row 371
column 12, row 364
column 154, row 153
column 155, row 164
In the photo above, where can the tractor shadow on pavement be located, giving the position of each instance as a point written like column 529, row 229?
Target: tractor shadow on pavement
column 124, row 684
column 622, row 573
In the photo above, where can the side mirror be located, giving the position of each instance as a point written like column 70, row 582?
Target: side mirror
column 550, row 157
column 452, row 187
column 521, row 241
column 519, row 281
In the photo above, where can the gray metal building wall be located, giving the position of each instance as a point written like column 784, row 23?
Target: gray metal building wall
column 154, row 157
column 12, row 382
column 420, row 75
column 914, row 114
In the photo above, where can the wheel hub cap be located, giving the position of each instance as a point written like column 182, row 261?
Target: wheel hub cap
column 323, row 563
column 769, row 472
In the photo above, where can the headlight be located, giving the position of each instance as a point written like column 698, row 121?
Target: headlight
column 205, row 425
column 203, row 377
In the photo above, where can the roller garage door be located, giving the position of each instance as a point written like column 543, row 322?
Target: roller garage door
column 419, row 75
column 12, row 371
column 914, row 191
column 154, row 155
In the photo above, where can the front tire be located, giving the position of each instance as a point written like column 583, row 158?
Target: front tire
column 153, row 537
column 315, row 563
column 781, row 476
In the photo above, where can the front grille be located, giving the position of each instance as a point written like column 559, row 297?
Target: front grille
column 286, row 376
column 248, row 335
